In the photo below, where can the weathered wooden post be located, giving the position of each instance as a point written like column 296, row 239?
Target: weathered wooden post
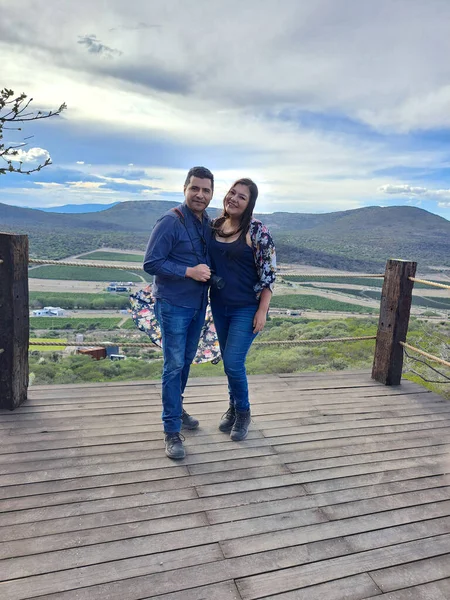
column 14, row 320
column 396, row 297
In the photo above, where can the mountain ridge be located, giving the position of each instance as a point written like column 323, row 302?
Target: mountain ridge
column 353, row 239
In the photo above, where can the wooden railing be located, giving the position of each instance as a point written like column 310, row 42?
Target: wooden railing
column 395, row 309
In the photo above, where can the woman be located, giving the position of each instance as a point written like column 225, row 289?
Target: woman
column 243, row 256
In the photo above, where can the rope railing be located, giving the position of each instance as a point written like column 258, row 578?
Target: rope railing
column 154, row 346
column 441, row 361
column 431, row 283
column 341, row 275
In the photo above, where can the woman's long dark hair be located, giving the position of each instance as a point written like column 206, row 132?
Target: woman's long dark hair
column 246, row 217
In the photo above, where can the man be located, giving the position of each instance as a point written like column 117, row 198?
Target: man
column 177, row 255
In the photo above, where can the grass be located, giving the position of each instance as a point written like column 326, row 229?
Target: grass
column 75, row 323
column 113, row 256
column 70, row 300
column 363, row 281
column 47, row 348
column 83, row 273
column 299, row 302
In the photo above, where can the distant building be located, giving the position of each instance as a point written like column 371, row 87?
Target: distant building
column 49, row 311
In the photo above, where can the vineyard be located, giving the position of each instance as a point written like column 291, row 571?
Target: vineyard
column 83, row 273
column 113, row 256
column 299, row 302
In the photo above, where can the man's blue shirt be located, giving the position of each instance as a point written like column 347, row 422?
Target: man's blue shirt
column 173, row 246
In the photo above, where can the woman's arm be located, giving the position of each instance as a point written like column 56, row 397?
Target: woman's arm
column 261, row 314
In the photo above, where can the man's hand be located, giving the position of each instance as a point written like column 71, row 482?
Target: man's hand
column 259, row 320
column 199, row 273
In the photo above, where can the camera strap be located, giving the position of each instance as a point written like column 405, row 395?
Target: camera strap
column 180, row 215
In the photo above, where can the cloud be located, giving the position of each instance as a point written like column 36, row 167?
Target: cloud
column 135, row 27
column 408, row 190
column 126, row 174
column 80, row 162
column 94, row 46
column 33, row 155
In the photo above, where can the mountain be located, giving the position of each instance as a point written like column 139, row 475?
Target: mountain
column 354, row 239
column 79, row 208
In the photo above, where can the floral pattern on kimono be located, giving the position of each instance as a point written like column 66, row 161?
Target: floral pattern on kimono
column 143, row 315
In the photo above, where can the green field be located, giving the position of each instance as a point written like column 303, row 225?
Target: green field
column 113, row 256
column 299, row 301
column 83, row 273
column 69, row 300
column 75, row 323
column 47, row 348
column 363, row 281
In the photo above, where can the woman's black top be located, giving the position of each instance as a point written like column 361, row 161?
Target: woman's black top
column 234, row 262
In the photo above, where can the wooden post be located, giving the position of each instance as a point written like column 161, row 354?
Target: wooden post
column 395, row 307
column 14, row 320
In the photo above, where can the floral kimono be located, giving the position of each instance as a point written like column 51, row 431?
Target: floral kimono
column 143, row 314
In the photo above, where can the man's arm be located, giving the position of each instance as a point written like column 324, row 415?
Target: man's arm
column 160, row 245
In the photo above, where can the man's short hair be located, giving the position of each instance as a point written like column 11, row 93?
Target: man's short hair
column 201, row 173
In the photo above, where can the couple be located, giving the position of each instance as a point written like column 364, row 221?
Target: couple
column 232, row 258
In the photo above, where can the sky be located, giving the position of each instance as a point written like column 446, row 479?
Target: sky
column 327, row 105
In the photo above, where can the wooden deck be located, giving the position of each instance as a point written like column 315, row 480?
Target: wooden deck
column 341, row 491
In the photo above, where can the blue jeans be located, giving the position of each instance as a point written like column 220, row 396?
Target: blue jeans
column 234, row 326
column 180, row 331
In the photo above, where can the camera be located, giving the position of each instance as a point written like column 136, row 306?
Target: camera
column 216, row 281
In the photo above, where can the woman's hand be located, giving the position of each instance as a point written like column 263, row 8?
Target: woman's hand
column 259, row 320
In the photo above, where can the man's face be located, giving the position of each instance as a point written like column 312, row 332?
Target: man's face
column 198, row 193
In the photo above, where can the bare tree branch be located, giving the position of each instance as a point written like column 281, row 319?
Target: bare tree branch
column 14, row 109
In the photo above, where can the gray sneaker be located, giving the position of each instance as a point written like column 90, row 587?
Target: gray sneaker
column 174, row 445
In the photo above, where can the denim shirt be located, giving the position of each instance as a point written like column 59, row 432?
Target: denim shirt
column 172, row 247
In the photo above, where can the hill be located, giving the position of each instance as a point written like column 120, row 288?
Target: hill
column 79, row 208
column 354, row 240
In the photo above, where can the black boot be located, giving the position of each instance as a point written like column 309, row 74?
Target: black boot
column 174, row 445
column 227, row 420
column 188, row 422
column 241, row 425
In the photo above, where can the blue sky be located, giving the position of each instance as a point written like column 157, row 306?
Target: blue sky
column 328, row 105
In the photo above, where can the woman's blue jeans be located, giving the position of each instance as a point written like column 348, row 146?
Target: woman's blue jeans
column 234, row 326
column 180, row 331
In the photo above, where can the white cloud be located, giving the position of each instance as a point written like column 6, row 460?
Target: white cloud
column 33, row 155
column 408, row 190
column 80, row 162
column 344, row 59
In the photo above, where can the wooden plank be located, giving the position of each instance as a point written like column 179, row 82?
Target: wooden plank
column 297, row 577
column 375, row 473
column 380, row 477
column 371, row 457
column 414, row 573
column 62, row 551
column 356, row 587
column 272, row 506
column 14, row 320
column 151, row 481
column 170, row 582
column 407, row 531
column 138, row 458
column 438, row 590
column 351, row 399
column 116, row 497
column 389, row 526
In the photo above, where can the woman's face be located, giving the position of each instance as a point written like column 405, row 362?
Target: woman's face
column 237, row 199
